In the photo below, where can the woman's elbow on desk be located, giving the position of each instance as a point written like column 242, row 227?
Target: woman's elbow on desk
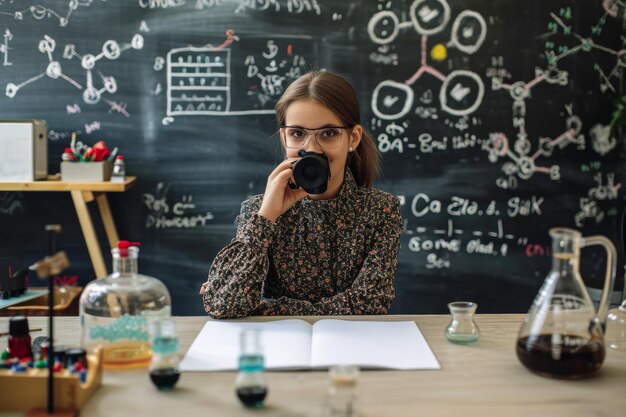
column 217, row 310
column 220, row 306
column 371, row 304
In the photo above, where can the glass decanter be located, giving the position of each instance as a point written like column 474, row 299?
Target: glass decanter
column 562, row 335
column 116, row 311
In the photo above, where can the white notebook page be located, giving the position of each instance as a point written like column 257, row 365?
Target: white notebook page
column 371, row 344
column 286, row 344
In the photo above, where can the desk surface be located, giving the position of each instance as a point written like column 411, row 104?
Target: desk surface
column 485, row 379
column 55, row 184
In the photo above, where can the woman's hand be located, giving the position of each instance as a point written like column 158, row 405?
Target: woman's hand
column 279, row 197
column 203, row 288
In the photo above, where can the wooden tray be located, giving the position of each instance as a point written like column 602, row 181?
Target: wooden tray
column 29, row 390
column 66, row 305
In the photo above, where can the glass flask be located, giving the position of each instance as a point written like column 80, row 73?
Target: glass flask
column 616, row 327
column 115, row 311
column 462, row 329
column 616, row 321
column 164, row 369
column 562, row 335
column 250, row 384
column 342, row 397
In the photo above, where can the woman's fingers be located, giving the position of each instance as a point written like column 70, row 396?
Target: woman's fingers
column 284, row 176
column 278, row 195
column 299, row 194
column 291, row 194
column 286, row 164
column 203, row 288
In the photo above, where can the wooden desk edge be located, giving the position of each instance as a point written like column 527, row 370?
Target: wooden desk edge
column 52, row 184
column 495, row 317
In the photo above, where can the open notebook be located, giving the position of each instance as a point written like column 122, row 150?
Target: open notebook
column 295, row 344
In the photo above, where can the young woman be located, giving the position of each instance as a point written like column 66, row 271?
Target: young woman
column 320, row 254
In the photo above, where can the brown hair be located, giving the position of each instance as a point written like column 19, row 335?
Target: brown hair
column 335, row 93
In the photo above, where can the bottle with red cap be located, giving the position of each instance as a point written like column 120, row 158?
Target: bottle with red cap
column 117, row 311
column 119, row 170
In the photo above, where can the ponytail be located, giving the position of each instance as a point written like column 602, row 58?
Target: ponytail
column 364, row 162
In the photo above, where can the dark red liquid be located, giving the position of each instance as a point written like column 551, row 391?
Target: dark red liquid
column 575, row 357
column 164, row 378
column 252, row 396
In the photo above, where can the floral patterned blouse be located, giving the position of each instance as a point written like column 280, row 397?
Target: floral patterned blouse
column 320, row 257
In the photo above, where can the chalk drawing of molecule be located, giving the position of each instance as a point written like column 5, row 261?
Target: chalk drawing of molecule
column 4, row 47
column 523, row 161
column 91, row 95
column 40, row 12
column 586, row 44
column 462, row 91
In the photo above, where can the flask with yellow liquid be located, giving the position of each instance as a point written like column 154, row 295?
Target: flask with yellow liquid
column 115, row 311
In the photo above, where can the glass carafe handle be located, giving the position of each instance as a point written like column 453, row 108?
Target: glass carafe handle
column 609, row 278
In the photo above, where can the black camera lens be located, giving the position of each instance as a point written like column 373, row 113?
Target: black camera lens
column 312, row 172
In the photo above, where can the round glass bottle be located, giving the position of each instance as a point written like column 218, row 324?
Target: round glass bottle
column 115, row 311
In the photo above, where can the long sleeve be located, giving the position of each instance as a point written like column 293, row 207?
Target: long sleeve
column 373, row 289
column 236, row 277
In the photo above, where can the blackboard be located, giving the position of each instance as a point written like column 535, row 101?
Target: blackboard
column 491, row 118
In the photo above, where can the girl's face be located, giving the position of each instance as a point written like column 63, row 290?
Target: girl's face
column 309, row 114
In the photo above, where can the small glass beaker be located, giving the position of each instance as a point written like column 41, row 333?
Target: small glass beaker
column 341, row 398
column 164, row 366
column 462, row 329
column 250, row 384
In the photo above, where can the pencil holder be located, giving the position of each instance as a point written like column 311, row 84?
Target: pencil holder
column 86, row 171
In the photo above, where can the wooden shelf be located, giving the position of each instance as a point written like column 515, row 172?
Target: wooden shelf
column 53, row 183
column 83, row 193
column 28, row 295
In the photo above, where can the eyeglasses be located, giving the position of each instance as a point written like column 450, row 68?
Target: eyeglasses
column 327, row 137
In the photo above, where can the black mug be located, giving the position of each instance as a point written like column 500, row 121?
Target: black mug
column 312, row 172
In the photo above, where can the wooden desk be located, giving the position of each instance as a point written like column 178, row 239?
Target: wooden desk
column 83, row 193
column 482, row 380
